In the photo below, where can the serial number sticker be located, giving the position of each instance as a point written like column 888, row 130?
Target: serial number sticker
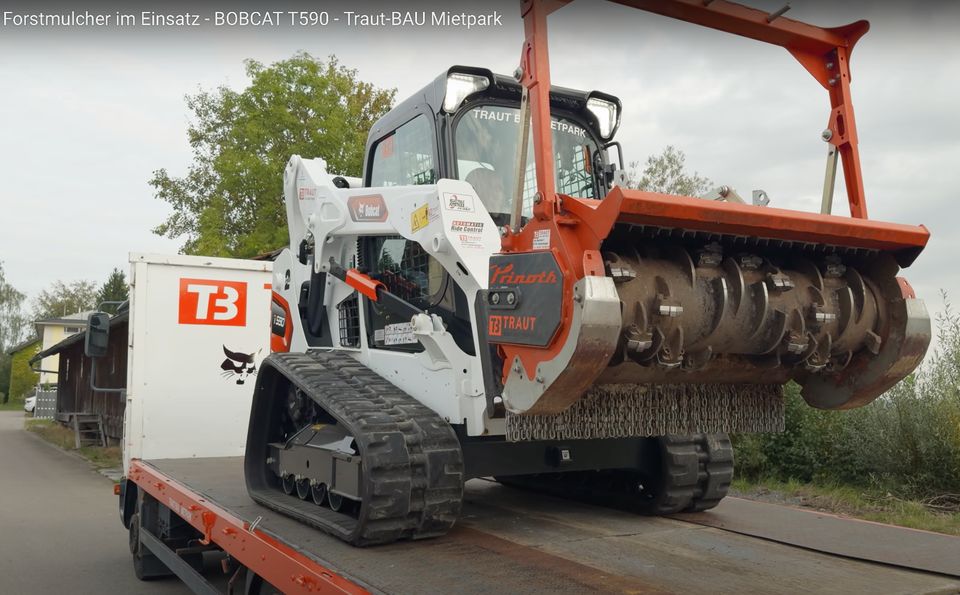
column 398, row 334
column 420, row 218
column 541, row 239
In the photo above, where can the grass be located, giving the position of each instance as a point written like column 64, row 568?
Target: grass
column 12, row 405
column 861, row 503
column 63, row 437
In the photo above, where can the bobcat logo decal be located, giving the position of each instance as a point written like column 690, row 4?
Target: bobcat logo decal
column 239, row 365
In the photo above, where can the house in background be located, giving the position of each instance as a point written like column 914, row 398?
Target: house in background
column 52, row 331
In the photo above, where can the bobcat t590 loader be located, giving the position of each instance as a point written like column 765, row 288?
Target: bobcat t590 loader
column 488, row 301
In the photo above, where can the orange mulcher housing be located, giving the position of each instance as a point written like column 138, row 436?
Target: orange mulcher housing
column 851, row 328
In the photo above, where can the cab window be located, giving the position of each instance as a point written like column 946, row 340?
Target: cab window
column 406, row 156
column 486, row 144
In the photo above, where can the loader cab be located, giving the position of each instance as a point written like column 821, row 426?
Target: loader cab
column 464, row 125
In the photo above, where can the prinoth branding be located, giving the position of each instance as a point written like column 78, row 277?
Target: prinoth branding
column 505, row 275
column 527, row 309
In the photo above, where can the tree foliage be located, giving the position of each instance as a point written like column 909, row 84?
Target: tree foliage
column 230, row 202
column 22, row 378
column 13, row 321
column 667, row 173
column 114, row 289
column 62, row 299
column 5, row 363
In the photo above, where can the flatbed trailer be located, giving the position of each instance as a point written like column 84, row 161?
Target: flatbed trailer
column 507, row 541
column 185, row 503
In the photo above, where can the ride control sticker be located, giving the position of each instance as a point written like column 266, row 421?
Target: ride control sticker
column 466, row 226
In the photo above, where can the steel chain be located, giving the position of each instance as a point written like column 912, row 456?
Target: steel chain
column 622, row 410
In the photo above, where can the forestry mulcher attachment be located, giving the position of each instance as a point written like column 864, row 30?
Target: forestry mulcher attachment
column 488, row 301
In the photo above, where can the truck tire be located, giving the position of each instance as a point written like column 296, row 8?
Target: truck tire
column 146, row 566
column 136, row 548
column 133, row 533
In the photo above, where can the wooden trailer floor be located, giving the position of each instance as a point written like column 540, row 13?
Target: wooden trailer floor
column 509, row 541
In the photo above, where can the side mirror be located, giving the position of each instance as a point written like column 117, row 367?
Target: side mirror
column 98, row 335
column 610, row 171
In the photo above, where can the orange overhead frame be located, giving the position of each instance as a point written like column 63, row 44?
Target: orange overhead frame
column 824, row 52
column 575, row 228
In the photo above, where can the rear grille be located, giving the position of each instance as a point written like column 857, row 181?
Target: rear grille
column 349, row 314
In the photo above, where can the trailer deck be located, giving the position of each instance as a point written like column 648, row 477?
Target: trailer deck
column 511, row 541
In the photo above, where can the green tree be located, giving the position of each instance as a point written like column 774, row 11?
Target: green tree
column 667, row 173
column 230, row 202
column 114, row 289
column 22, row 378
column 13, row 321
column 62, row 299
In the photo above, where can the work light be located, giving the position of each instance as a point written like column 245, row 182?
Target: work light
column 460, row 86
column 607, row 113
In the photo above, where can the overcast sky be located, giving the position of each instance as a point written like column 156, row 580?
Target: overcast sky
column 87, row 115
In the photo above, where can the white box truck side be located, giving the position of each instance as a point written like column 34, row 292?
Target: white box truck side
column 199, row 328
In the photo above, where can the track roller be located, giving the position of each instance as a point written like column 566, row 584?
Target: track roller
column 680, row 474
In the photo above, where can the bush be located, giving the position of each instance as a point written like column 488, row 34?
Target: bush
column 906, row 442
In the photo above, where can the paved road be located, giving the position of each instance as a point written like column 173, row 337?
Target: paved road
column 59, row 529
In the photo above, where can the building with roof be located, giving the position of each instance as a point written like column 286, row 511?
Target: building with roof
column 75, row 395
column 52, row 331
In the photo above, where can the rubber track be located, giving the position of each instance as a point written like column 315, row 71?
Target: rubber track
column 695, row 474
column 411, row 459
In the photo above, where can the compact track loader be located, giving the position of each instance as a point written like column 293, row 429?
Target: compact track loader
column 490, row 301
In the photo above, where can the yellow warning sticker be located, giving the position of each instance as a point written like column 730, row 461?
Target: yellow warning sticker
column 419, row 219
